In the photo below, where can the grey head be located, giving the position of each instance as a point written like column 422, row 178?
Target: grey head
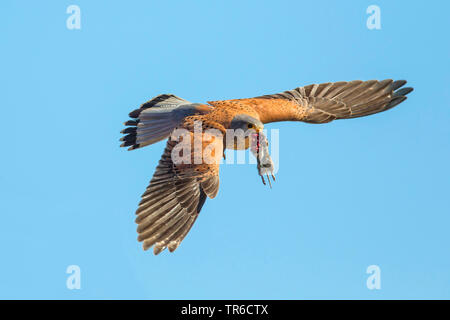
column 246, row 122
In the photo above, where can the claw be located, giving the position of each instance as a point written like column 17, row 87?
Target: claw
column 264, row 182
column 268, row 179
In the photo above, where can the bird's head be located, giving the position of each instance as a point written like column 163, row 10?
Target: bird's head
column 246, row 123
column 258, row 143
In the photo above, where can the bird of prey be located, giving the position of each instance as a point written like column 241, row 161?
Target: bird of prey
column 176, row 193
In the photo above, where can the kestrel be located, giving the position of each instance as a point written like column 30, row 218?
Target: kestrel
column 176, row 193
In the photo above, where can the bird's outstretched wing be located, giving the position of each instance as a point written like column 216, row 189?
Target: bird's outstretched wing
column 321, row 103
column 175, row 196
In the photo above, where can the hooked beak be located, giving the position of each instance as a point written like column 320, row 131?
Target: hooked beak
column 259, row 129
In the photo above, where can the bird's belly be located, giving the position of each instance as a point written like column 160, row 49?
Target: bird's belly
column 237, row 144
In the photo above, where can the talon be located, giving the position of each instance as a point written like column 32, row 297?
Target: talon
column 264, row 182
column 273, row 177
column 268, row 179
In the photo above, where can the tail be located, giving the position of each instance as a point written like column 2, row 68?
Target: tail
column 156, row 119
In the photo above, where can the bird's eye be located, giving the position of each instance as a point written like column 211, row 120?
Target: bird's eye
column 249, row 125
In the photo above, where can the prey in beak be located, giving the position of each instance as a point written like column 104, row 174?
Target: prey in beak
column 259, row 146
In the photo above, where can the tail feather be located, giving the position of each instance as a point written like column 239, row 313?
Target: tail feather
column 156, row 119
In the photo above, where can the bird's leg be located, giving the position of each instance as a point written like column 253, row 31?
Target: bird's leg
column 260, row 149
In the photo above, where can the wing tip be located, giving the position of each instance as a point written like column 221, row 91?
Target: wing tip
column 157, row 249
column 398, row 84
column 173, row 245
column 399, row 93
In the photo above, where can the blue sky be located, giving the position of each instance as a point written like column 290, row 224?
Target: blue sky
column 349, row 194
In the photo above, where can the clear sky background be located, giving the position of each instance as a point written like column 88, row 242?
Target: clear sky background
column 349, row 194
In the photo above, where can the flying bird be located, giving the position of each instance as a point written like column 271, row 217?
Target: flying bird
column 176, row 193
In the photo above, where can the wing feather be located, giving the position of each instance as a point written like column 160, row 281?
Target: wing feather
column 325, row 102
column 172, row 201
